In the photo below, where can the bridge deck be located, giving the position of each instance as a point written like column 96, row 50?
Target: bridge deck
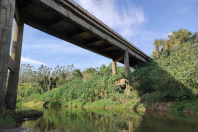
column 63, row 19
column 68, row 21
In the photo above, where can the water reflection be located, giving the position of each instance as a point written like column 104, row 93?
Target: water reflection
column 100, row 120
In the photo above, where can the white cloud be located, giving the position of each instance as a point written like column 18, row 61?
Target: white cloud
column 122, row 16
column 166, row 35
column 54, row 47
column 170, row 33
column 27, row 60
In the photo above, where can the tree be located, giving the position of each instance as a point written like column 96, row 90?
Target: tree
column 175, row 39
column 158, row 43
column 182, row 36
column 77, row 73
column 90, row 70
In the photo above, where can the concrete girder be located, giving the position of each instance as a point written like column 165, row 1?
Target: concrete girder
column 75, row 33
column 85, row 21
column 119, row 58
column 54, row 22
column 31, row 21
column 90, row 41
column 104, row 47
column 24, row 5
column 115, row 52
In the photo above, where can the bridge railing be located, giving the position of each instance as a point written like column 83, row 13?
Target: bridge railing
column 93, row 17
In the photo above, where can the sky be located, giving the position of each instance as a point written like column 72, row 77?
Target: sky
column 139, row 21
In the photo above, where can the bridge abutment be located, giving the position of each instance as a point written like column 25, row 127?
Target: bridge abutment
column 127, row 69
column 7, row 8
column 13, row 80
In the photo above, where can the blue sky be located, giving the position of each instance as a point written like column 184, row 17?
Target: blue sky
column 140, row 21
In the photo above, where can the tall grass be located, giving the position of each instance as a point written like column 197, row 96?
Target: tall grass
column 171, row 77
column 101, row 85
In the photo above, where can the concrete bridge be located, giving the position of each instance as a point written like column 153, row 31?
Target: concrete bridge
column 63, row 19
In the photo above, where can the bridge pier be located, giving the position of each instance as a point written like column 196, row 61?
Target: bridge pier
column 114, row 67
column 13, row 80
column 7, row 8
column 127, row 69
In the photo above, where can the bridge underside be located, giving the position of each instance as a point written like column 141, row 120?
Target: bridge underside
column 64, row 20
column 51, row 21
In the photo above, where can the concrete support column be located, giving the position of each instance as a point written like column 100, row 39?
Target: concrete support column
column 16, row 56
column 127, row 69
column 7, row 8
column 114, row 67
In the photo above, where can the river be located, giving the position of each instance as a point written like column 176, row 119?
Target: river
column 106, row 120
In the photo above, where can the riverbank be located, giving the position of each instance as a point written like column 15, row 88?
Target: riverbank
column 13, row 129
column 168, row 82
column 11, row 119
column 130, row 104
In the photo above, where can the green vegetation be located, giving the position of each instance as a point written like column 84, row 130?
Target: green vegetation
column 51, row 103
column 171, row 76
column 99, row 85
column 5, row 120
column 13, row 118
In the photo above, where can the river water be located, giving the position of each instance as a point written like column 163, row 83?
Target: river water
column 103, row 120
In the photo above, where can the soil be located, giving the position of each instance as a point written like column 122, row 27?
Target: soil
column 19, row 117
column 160, row 106
column 12, row 128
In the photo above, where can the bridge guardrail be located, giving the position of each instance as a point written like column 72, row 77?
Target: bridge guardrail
column 99, row 21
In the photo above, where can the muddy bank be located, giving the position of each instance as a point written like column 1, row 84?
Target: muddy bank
column 13, row 128
column 11, row 120
column 21, row 116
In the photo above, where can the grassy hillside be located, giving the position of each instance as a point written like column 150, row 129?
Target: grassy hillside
column 171, row 76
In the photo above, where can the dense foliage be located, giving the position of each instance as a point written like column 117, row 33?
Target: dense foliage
column 44, row 77
column 99, row 85
column 175, row 39
column 171, row 75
